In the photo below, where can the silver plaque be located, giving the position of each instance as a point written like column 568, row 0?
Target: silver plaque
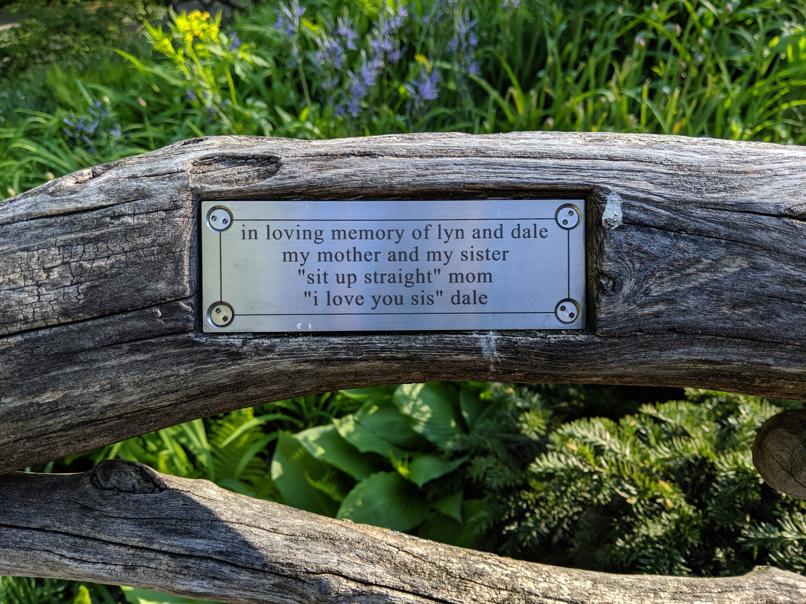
column 311, row 266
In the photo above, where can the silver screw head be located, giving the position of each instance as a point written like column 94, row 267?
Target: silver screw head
column 567, row 311
column 567, row 216
column 220, row 314
column 219, row 218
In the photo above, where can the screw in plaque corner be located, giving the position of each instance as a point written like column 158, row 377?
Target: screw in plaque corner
column 567, row 216
column 219, row 218
column 220, row 314
column 567, row 310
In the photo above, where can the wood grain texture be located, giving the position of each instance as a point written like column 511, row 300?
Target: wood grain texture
column 696, row 277
column 124, row 523
column 779, row 452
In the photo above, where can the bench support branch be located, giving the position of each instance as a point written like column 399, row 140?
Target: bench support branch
column 124, row 523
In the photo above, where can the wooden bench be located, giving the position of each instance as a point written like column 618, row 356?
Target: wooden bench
column 696, row 273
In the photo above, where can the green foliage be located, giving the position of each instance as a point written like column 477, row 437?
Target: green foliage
column 24, row 590
column 671, row 490
column 723, row 68
column 136, row 595
column 403, row 460
column 49, row 31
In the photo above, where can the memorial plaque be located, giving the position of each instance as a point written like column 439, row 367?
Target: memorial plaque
column 316, row 266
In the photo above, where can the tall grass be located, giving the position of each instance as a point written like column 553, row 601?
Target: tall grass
column 732, row 70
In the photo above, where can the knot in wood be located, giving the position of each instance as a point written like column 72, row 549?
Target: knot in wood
column 126, row 477
column 612, row 215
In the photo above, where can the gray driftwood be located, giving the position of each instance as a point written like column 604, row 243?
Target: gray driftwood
column 124, row 523
column 696, row 271
column 779, row 452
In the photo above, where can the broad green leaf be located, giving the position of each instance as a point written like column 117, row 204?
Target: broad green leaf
column 371, row 393
column 385, row 420
column 475, row 512
column 304, row 481
column 138, row 595
column 472, row 406
column 439, row 527
column 378, row 427
column 363, row 439
column 385, row 499
column 430, row 410
column 427, row 467
column 451, row 505
column 325, row 444
column 446, row 530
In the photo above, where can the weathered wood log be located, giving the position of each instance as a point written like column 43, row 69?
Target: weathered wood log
column 696, row 273
column 124, row 523
column 779, row 452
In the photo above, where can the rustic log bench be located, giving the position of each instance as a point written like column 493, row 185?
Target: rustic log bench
column 695, row 273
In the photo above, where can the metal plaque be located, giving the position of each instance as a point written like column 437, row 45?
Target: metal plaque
column 313, row 266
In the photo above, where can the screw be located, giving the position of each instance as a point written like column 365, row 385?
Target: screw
column 567, row 311
column 567, row 216
column 219, row 218
column 220, row 314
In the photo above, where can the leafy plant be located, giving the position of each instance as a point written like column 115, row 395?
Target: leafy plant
column 671, row 489
column 321, row 69
column 401, row 461
column 25, row 590
column 47, row 31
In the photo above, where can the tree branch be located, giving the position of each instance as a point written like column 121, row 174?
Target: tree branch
column 123, row 523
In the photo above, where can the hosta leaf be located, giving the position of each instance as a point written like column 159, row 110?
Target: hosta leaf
column 325, row 444
column 385, row 420
column 371, row 393
column 427, row 467
column 364, row 439
column 379, row 428
column 439, row 527
column 451, row 505
column 430, row 410
column 139, row 595
column 471, row 405
column 385, row 499
column 304, row 481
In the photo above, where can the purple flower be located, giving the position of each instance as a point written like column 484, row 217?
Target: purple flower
column 425, row 88
column 235, row 42
column 361, row 83
column 383, row 47
column 289, row 18
column 463, row 44
column 369, row 72
column 330, row 81
column 465, row 38
column 330, row 54
column 346, row 31
column 385, row 43
column 354, row 106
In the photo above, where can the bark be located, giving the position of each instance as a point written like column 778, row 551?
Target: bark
column 779, row 452
column 696, row 272
column 125, row 523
